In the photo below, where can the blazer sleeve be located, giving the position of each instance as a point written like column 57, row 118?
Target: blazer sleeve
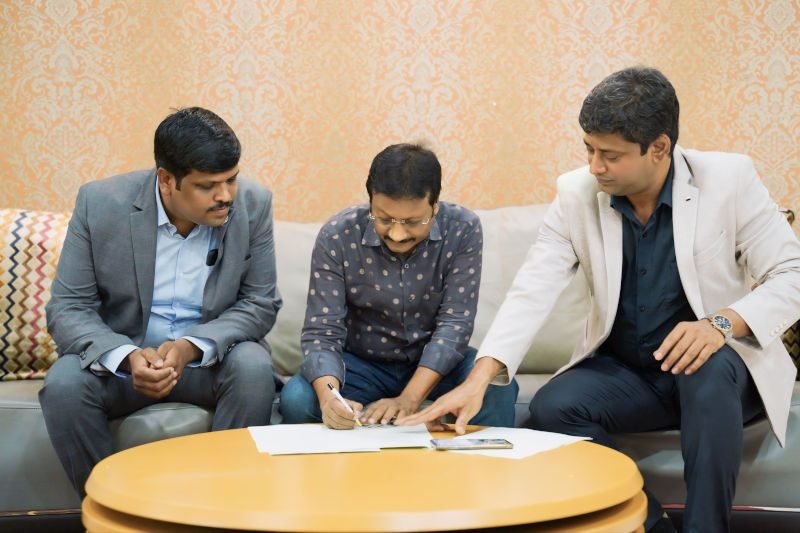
column 770, row 251
column 549, row 266
column 72, row 312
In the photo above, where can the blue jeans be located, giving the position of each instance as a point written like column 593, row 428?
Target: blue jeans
column 369, row 381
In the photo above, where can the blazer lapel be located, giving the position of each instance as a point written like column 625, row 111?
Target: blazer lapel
column 611, row 226
column 143, row 240
column 213, row 281
column 684, row 222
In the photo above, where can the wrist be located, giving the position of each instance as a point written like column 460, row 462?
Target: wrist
column 189, row 352
column 483, row 373
column 722, row 324
column 415, row 400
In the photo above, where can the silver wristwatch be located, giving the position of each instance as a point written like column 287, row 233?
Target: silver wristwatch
column 721, row 324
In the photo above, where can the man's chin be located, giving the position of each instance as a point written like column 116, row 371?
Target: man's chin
column 216, row 218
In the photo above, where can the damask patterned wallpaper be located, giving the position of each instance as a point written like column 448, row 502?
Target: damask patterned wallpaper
column 316, row 88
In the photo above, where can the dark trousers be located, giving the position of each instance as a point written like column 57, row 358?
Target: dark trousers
column 77, row 404
column 602, row 395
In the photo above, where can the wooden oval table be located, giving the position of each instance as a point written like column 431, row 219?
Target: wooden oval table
column 219, row 480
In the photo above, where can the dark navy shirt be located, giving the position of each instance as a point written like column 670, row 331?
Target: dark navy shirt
column 417, row 310
column 652, row 301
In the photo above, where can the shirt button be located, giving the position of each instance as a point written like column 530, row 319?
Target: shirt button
column 411, row 298
column 644, row 235
column 405, row 266
column 641, row 308
column 643, row 271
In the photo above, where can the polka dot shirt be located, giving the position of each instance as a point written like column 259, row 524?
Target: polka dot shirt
column 362, row 298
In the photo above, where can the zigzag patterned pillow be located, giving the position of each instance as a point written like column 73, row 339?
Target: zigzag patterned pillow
column 29, row 252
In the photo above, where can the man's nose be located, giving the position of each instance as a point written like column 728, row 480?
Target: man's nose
column 224, row 194
column 596, row 165
column 397, row 232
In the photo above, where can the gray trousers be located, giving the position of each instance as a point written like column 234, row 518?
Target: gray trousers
column 77, row 404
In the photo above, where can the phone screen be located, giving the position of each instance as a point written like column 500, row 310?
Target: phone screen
column 470, row 444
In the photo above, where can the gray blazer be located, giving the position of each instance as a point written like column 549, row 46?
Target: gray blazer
column 103, row 289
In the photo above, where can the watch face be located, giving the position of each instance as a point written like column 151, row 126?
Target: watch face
column 722, row 322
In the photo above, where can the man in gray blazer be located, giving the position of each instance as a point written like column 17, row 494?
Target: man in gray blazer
column 164, row 291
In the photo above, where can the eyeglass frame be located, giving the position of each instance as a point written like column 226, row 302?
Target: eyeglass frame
column 410, row 224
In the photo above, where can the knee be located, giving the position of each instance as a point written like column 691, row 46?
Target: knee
column 66, row 383
column 249, row 367
column 721, row 376
column 298, row 401
column 548, row 409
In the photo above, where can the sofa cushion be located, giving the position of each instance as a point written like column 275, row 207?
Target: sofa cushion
column 29, row 251
column 508, row 235
column 293, row 245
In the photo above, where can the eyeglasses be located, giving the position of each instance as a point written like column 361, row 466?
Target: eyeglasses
column 408, row 223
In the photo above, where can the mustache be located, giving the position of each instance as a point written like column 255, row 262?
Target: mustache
column 220, row 206
column 404, row 241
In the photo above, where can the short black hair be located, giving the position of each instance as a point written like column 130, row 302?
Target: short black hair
column 639, row 103
column 194, row 138
column 405, row 171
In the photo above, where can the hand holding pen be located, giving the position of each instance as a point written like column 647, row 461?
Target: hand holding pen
column 338, row 413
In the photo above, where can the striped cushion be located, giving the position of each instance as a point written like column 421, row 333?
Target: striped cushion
column 29, row 251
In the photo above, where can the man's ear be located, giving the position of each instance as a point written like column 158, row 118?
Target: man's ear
column 661, row 147
column 166, row 180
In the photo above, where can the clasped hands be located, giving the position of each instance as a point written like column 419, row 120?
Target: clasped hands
column 155, row 372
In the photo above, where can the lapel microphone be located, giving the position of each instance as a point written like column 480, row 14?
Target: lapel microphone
column 211, row 258
column 213, row 253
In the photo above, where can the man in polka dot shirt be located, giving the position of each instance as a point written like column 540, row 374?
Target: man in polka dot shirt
column 391, row 303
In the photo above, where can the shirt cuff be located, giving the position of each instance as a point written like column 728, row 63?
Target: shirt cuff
column 209, row 349
column 440, row 358
column 110, row 361
column 318, row 364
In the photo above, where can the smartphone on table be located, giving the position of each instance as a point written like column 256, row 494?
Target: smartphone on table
column 471, row 444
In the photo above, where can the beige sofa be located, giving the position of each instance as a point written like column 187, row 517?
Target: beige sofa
column 33, row 480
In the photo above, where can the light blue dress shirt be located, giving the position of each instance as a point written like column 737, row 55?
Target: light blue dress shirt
column 180, row 279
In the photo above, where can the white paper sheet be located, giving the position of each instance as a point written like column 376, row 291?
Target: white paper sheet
column 526, row 442
column 289, row 439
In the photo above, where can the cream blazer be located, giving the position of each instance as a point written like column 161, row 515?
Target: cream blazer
column 727, row 232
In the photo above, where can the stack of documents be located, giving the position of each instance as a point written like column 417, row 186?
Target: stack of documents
column 526, row 442
column 290, row 439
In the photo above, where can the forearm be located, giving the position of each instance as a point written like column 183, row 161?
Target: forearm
column 321, row 387
column 421, row 384
column 483, row 373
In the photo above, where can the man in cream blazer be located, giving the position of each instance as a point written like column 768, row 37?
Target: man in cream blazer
column 670, row 241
